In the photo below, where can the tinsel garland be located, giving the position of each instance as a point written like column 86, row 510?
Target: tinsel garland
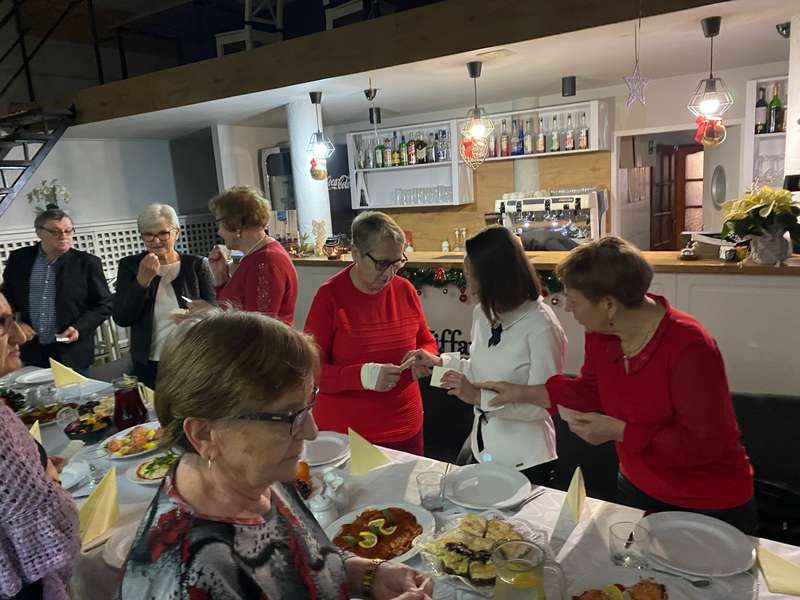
column 440, row 277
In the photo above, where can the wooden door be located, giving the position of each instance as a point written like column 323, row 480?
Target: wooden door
column 688, row 190
column 662, row 200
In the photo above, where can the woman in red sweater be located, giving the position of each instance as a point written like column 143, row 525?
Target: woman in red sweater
column 659, row 379
column 265, row 280
column 368, row 325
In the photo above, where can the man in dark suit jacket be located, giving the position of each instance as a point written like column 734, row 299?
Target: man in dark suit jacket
column 60, row 293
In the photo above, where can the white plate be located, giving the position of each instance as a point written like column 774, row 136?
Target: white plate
column 327, row 448
column 37, row 376
column 698, row 545
column 610, row 574
column 424, row 518
column 486, row 485
column 123, row 433
column 132, row 473
column 73, row 474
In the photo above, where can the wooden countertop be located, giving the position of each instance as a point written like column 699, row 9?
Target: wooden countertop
column 662, row 262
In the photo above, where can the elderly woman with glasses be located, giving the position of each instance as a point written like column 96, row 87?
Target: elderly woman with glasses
column 368, row 325
column 155, row 286
column 223, row 525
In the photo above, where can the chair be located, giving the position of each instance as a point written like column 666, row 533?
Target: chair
column 107, row 347
column 263, row 25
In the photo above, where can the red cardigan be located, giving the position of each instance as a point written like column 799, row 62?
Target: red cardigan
column 681, row 442
column 353, row 328
column 265, row 281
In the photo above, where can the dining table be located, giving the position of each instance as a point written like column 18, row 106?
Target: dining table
column 580, row 547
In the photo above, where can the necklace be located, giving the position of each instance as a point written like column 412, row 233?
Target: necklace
column 257, row 245
column 626, row 356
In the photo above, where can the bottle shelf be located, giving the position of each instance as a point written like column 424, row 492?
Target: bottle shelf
column 444, row 163
column 542, row 154
column 769, row 136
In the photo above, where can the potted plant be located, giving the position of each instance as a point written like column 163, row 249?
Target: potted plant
column 48, row 195
column 764, row 216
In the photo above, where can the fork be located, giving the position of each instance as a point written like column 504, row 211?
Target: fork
column 528, row 499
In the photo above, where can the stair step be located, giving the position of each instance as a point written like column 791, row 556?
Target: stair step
column 14, row 164
column 13, row 141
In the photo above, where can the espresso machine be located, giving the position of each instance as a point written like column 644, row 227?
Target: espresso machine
column 556, row 220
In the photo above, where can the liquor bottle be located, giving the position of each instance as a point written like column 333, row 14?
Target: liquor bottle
column 583, row 134
column 504, row 141
column 411, row 150
column 514, row 140
column 569, row 136
column 445, row 144
column 775, row 121
column 376, row 160
column 387, row 152
column 491, row 145
column 541, row 143
column 527, row 143
column 431, row 149
column 761, row 111
column 421, row 147
column 521, row 138
column 438, row 146
column 403, row 151
column 555, row 137
column 395, row 150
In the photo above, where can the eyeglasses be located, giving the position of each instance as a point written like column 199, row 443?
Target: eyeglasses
column 294, row 419
column 161, row 235
column 383, row 265
column 8, row 320
column 59, row 232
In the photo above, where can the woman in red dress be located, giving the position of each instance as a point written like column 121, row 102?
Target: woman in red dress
column 658, row 377
column 368, row 323
column 265, row 280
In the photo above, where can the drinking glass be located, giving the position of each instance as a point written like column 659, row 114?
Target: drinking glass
column 72, row 392
column 521, row 567
column 628, row 544
column 430, row 489
column 42, row 395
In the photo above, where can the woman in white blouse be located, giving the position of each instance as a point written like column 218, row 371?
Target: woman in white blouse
column 152, row 287
column 516, row 338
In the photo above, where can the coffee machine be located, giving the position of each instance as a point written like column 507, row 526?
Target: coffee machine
column 554, row 220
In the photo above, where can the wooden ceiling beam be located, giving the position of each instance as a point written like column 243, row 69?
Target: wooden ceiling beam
column 442, row 29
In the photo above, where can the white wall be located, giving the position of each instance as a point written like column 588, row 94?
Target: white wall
column 236, row 152
column 108, row 179
column 792, row 164
column 728, row 156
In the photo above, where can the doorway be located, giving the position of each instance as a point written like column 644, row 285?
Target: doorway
column 677, row 195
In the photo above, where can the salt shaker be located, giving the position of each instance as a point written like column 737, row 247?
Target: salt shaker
column 323, row 510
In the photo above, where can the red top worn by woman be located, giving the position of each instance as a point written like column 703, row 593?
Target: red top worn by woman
column 681, row 440
column 353, row 328
column 265, row 281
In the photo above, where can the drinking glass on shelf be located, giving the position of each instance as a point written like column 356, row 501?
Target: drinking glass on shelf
column 431, row 490
column 627, row 544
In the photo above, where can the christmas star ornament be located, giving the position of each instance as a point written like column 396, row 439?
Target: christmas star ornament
column 636, row 84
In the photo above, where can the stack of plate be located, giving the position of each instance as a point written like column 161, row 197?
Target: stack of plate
column 328, row 451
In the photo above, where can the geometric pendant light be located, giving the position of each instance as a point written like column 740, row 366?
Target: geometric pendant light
column 712, row 98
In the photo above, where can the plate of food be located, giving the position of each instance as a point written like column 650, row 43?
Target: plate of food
column 46, row 415
column 385, row 531
column 14, row 400
column 152, row 470
column 36, row 377
column 620, row 583
column 463, row 549
column 133, row 441
column 93, row 421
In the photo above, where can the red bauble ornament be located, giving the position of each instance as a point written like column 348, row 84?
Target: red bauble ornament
column 463, row 298
column 439, row 275
column 463, row 290
column 545, row 292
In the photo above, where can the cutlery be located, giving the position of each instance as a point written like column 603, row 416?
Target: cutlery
column 698, row 583
column 528, row 499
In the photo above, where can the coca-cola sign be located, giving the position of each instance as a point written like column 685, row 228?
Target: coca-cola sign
column 342, row 182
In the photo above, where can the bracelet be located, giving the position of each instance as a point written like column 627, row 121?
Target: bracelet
column 369, row 577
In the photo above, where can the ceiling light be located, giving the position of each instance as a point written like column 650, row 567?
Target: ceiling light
column 319, row 145
column 712, row 98
column 477, row 128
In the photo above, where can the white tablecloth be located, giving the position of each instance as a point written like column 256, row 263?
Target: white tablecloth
column 582, row 550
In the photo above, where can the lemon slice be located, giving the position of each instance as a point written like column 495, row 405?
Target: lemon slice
column 379, row 526
column 388, row 530
column 369, row 539
column 612, row 592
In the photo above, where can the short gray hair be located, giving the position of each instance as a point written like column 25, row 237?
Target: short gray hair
column 155, row 213
column 51, row 214
column 371, row 227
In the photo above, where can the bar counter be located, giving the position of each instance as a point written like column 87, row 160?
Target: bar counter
column 662, row 262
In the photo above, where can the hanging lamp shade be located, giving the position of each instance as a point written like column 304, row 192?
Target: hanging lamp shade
column 712, row 98
column 478, row 127
column 319, row 145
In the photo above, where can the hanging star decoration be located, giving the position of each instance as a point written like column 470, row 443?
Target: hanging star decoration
column 636, row 83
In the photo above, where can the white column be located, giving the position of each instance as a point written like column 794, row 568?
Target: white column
column 792, row 164
column 311, row 196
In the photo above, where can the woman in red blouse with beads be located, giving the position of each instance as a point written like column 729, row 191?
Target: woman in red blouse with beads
column 265, row 280
column 659, row 379
column 368, row 323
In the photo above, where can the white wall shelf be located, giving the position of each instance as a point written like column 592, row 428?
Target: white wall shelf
column 444, row 163
column 762, row 153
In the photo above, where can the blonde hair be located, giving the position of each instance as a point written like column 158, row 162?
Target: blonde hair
column 239, row 207
column 371, row 227
column 208, row 371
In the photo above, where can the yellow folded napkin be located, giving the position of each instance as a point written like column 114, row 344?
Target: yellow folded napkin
column 576, row 495
column 363, row 455
column 782, row 577
column 100, row 511
column 36, row 432
column 149, row 395
column 63, row 375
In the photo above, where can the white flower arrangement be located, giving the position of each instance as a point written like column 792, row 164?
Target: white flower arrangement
column 49, row 194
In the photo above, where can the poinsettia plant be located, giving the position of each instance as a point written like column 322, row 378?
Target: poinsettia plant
column 765, row 210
